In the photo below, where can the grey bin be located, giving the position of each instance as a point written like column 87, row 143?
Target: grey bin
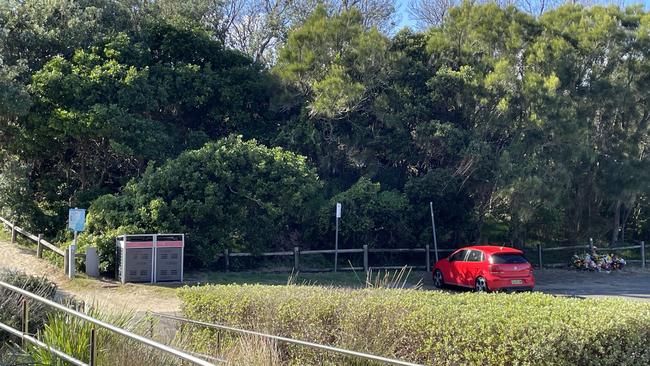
column 134, row 258
column 149, row 258
column 169, row 258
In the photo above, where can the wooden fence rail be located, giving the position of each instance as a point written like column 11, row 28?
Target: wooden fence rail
column 44, row 244
column 38, row 239
column 297, row 253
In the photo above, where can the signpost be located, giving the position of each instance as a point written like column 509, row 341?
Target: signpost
column 76, row 223
column 433, row 224
column 336, row 240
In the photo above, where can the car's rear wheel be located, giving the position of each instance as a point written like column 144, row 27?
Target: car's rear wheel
column 481, row 285
column 438, row 280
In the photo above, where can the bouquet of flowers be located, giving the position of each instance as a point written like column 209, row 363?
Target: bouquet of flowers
column 597, row 262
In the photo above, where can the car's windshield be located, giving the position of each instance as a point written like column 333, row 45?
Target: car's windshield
column 508, row 258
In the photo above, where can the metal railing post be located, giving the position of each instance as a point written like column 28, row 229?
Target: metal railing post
column 219, row 342
column 296, row 259
column 428, row 255
column 25, row 320
column 226, row 258
column 539, row 254
column 93, row 347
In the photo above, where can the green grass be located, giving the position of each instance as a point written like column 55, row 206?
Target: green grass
column 339, row 279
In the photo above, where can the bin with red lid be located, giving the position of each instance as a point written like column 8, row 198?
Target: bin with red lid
column 149, row 257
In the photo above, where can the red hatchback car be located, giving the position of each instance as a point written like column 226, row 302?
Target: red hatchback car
column 485, row 268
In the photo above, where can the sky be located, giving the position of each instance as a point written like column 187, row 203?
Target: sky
column 405, row 21
column 403, row 14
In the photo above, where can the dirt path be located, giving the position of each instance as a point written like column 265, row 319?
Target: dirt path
column 106, row 293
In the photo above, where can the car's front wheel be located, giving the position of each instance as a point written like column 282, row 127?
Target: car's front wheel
column 481, row 285
column 438, row 280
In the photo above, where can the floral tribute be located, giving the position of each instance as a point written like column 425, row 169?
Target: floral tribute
column 597, row 262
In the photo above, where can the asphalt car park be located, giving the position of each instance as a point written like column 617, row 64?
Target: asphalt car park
column 630, row 283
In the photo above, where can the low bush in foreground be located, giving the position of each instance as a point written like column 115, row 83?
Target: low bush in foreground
column 72, row 336
column 431, row 328
column 11, row 302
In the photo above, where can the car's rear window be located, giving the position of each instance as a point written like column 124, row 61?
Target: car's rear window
column 508, row 258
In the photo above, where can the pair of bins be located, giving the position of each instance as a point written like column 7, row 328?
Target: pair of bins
column 149, row 258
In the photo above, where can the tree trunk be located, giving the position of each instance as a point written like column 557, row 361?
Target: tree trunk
column 617, row 222
column 627, row 210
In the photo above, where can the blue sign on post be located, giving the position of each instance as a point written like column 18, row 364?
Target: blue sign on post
column 77, row 219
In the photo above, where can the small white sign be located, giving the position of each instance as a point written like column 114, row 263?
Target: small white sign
column 338, row 210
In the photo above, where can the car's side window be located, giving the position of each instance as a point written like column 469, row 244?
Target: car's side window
column 475, row 256
column 458, row 256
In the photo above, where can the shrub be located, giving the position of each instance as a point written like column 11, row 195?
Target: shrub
column 232, row 194
column 11, row 302
column 432, row 327
column 72, row 336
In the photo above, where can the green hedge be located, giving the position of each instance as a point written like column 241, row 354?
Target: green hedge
column 11, row 302
column 433, row 328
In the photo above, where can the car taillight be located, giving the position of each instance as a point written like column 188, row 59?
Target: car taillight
column 495, row 269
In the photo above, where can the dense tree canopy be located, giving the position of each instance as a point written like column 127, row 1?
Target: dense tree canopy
column 522, row 124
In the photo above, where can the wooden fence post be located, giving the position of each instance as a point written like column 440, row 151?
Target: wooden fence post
column 428, row 255
column 66, row 261
column 13, row 233
column 539, row 253
column 226, row 257
column 642, row 254
column 39, row 247
column 296, row 259
column 365, row 257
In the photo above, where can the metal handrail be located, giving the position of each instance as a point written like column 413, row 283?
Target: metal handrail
column 290, row 341
column 30, row 339
column 159, row 346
